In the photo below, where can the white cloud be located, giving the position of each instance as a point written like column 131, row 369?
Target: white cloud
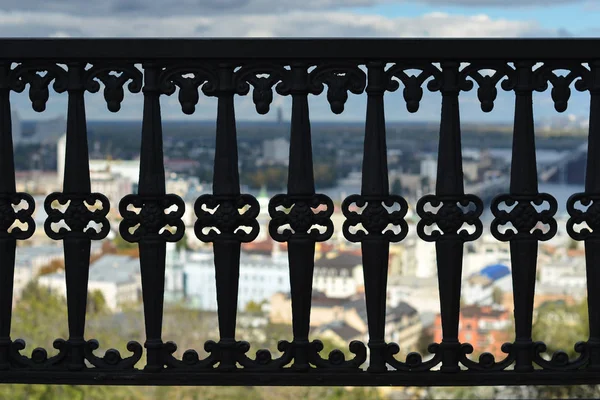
column 497, row 3
column 312, row 19
column 291, row 24
column 167, row 8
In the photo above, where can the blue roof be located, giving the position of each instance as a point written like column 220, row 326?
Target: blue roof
column 495, row 271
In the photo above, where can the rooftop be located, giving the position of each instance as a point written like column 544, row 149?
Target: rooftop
column 109, row 268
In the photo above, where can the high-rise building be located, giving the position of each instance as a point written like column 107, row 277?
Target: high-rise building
column 17, row 128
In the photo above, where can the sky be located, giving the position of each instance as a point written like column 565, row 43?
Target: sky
column 305, row 18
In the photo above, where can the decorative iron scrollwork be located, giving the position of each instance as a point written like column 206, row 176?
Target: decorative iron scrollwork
column 113, row 83
column 227, row 354
column 524, row 217
column 8, row 216
column 590, row 216
column 560, row 84
column 336, row 358
column 225, row 217
column 413, row 92
column 560, row 360
column 78, row 212
column 39, row 356
column 414, row 361
column 30, row 73
column 263, row 359
column 190, row 359
column 112, row 359
column 453, row 213
column 486, row 92
column 339, row 79
column 262, row 94
column 152, row 222
column 203, row 75
column 296, row 216
column 375, row 218
column 487, row 361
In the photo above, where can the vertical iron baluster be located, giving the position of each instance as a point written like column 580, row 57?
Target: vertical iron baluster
column 8, row 198
column 455, row 210
column 299, row 224
column 76, row 182
column 78, row 198
column 226, row 219
column 226, row 183
column 449, row 235
column 152, row 226
column 152, row 248
column 525, row 231
column 375, row 253
column 523, row 180
column 301, row 251
column 449, row 183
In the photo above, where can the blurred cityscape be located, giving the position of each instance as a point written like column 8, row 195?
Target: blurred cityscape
column 338, row 307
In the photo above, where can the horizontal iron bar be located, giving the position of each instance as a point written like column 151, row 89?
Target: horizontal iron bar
column 292, row 378
column 139, row 50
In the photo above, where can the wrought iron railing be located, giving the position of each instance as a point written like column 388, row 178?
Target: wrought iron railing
column 225, row 68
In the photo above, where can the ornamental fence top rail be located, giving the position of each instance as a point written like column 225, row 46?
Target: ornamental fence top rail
column 306, row 48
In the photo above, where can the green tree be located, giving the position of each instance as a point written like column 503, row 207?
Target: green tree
column 40, row 317
column 425, row 339
column 181, row 245
column 497, row 295
column 255, row 307
column 573, row 244
column 96, row 302
column 560, row 326
column 396, row 187
column 425, row 184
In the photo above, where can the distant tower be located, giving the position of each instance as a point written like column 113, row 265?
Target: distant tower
column 279, row 115
column 17, row 129
column 61, row 151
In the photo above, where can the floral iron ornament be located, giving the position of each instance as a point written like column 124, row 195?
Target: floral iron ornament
column 374, row 216
column 151, row 222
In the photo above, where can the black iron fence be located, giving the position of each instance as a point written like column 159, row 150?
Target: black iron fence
column 225, row 68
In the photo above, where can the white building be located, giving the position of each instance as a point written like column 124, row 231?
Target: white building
column 567, row 273
column 61, row 152
column 113, row 186
column 28, row 262
column 113, row 178
column 425, row 290
column 260, row 277
column 116, row 277
column 417, row 258
column 478, row 288
column 338, row 275
column 174, row 275
column 429, row 168
column 17, row 128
